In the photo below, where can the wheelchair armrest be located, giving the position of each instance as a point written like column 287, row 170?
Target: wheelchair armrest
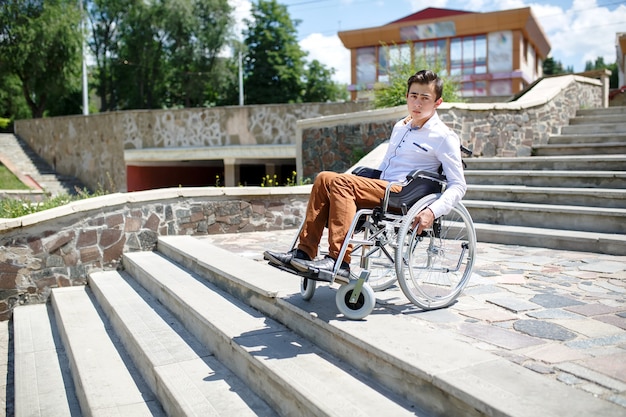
column 435, row 176
column 367, row 172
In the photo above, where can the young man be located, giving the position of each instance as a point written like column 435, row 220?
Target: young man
column 420, row 141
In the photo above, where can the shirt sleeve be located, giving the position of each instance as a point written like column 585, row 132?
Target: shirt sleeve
column 449, row 154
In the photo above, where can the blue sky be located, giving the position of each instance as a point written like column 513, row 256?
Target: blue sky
column 578, row 30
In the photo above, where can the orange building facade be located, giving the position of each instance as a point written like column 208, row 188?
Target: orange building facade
column 495, row 54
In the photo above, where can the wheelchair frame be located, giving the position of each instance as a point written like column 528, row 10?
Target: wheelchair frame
column 431, row 268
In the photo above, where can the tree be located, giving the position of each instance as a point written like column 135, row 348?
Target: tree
column 393, row 93
column 155, row 54
column 599, row 64
column 319, row 86
column 12, row 102
column 196, row 32
column 274, row 64
column 40, row 43
column 105, row 18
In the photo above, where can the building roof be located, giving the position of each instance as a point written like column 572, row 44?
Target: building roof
column 465, row 23
column 429, row 13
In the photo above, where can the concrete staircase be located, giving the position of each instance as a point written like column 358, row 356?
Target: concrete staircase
column 26, row 163
column 571, row 194
column 194, row 330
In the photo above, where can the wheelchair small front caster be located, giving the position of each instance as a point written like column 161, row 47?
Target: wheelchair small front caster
column 353, row 306
column 307, row 288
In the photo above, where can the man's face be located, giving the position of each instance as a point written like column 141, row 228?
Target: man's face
column 421, row 103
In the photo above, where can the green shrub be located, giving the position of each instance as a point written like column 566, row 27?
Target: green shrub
column 4, row 123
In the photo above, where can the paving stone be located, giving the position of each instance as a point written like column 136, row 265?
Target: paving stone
column 487, row 289
column 589, row 328
column 511, row 279
column 544, row 330
column 581, row 274
column 611, row 287
column 535, row 260
column 614, row 320
column 591, row 375
column 610, row 365
column 553, row 313
column 590, row 287
column 604, row 266
column 555, row 353
column 568, row 379
column 513, row 304
column 521, row 267
column 594, row 389
column 618, row 399
column 592, row 309
column 597, row 341
column 490, row 315
column 499, row 337
column 439, row 316
column 539, row 368
column 554, row 301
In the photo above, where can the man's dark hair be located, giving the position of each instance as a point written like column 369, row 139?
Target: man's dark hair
column 426, row 77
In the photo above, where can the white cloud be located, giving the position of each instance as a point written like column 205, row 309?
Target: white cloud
column 242, row 10
column 588, row 33
column 329, row 51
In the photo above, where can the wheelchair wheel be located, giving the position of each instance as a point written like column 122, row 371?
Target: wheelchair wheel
column 433, row 268
column 363, row 306
column 382, row 269
column 307, row 288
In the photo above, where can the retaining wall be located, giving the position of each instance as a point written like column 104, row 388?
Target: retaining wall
column 490, row 129
column 59, row 247
column 91, row 148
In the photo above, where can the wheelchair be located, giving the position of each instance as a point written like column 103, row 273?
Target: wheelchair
column 431, row 268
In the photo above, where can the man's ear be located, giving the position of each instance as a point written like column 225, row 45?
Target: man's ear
column 438, row 102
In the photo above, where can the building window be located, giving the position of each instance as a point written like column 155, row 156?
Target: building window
column 366, row 65
column 434, row 53
column 468, row 55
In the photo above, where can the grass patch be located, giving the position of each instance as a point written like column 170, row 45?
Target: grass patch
column 8, row 181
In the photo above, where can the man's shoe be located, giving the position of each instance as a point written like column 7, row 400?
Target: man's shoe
column 284, row 259
column 322, row 269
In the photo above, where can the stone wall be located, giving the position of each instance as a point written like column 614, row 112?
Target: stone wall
column 59, row 247
column 91, row 148
column 489, row 129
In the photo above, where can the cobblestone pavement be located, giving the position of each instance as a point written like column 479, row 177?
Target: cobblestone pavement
column 559, row 313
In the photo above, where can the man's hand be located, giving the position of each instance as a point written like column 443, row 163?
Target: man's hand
column 424, row 220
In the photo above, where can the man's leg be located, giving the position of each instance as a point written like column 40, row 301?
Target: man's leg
column 316, row 217
column 346, row 193
column 317, row 211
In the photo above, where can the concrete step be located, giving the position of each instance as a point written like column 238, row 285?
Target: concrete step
column 609, row 243
column 601, row 111
column 605, row 148
column 598, row 119
column 292, row 374
column 532, row 178
column 561, row 217
column 555, row 162
column 419, row 361
column 590, row 197
column 577, row 139
column 106, row 382
column 43, row 383
column 592, row 129
column 173, row 363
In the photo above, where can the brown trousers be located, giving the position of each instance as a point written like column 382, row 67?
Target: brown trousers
column 334, row 201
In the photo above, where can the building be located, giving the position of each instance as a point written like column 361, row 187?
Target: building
column 495, row 54
column 620, row 48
